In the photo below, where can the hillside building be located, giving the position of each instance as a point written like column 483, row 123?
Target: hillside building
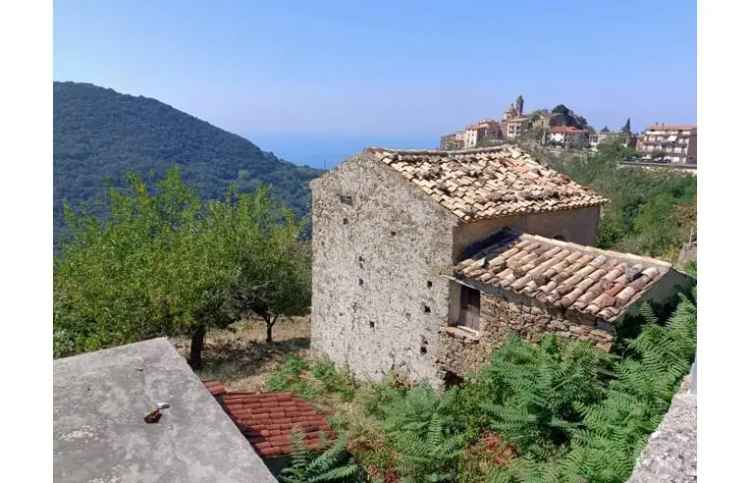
column 489, row 131
column 624, row 138
column 514, row 123
column 567, row 136
column 481, row 132
column 452, row 141
column 425, row 260
column 672, row 143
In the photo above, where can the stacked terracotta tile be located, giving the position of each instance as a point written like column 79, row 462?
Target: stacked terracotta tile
column 594, row 282
column 487, row 183
column 268, row 420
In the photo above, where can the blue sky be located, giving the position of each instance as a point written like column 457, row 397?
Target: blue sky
column 317, row 81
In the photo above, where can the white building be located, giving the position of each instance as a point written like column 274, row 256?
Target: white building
column 567, row 136
column 673, row 143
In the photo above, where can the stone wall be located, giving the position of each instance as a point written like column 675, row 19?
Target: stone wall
column 379, row 249
column 502, row 314
column 672, row 451
column 577, row 225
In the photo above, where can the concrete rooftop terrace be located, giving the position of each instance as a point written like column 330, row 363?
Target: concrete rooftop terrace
column 100, row 400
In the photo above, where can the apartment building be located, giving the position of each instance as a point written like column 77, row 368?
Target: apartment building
column 672, row 143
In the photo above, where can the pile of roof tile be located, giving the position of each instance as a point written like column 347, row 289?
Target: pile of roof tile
column 268, row 419
column 595, row 282
column 487, row 183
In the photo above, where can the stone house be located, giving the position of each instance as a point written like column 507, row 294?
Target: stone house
column 423, row 260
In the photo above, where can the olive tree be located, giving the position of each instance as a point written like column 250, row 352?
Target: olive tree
column 276, row 281
column 162, row 262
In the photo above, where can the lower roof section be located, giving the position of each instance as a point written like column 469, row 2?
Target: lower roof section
column 597, row 283
column 269, row 419
column 100, row 400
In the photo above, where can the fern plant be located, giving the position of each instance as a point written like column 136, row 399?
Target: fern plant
column 333, row 464
column 414, row 410
column 539, row 392
column 614, row 431
column 424, row 433
column 430, row 455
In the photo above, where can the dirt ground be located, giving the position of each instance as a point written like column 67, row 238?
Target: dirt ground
column 240, row 357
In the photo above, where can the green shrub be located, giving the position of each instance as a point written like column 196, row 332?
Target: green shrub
column 649, row 212
column 376, row 397
column 311, row 379
column 290, row 377
column 333, row 380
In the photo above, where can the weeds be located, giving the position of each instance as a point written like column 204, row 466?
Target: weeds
column 559, row 411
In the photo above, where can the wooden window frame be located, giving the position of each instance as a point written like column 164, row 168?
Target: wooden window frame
column 470, row 303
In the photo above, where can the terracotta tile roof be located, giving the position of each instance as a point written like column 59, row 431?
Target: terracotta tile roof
column 267, row 420
column 568, row 129
column 216, row 388
column 672, row 127
column 486, row 183
column 587, row 280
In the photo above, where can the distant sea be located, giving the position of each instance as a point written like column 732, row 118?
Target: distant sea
column 326, row 153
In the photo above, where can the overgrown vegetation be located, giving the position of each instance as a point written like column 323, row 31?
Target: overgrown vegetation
column 650, row 212
column 559, row 411
column 163, row 262
column 331, row 464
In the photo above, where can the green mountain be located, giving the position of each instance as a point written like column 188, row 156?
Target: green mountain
column 100, row 135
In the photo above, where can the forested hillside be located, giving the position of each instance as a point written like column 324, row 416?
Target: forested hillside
column 100, row 135
column 650, row 212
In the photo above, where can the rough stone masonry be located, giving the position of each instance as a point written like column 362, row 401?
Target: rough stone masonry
column 423, row 261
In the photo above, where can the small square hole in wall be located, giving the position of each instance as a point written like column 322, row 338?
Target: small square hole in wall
column 346, row 221
column 372, row 324
column 393, row 233
column 429, row 284
column 346, row 199
column 427, row 309
column 361, row 282
column 423, row 350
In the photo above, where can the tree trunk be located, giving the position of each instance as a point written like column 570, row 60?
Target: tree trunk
column 269, row 328
column 196, row 347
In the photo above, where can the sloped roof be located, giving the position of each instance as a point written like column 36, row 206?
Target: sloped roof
column 567, row 129
column 268, row 419
column 598, row 283
column 487, row 183
column 672, row 127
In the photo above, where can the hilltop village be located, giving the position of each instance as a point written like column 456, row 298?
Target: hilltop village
column 560, row 127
